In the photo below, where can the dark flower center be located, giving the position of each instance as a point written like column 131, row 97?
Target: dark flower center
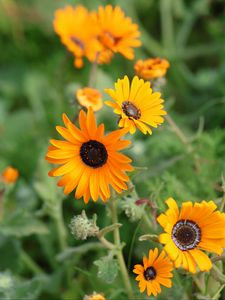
column 186, row 235
column 93, row 154
column 150, row 273
column 131, row 110
column 78, row 42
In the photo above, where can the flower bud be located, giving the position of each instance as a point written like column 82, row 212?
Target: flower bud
column 81, row 227
column 133, row 211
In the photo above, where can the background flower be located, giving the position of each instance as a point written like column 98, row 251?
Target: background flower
column 151, row 68
column 117, row 33
column 89, row 97
column 68, row 23
column 10, row 175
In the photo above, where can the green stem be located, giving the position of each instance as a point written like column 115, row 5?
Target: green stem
column 93, row 72
column 119, row 253
column 61, row 228
column 1, row 204
column 30, row 263
column 178, row 132
column 167, row 24
column 216, row 296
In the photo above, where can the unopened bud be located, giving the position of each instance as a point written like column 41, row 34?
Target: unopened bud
column 133, row 211
column 81, row 227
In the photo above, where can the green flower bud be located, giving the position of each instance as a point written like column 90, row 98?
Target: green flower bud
column 133, row 211
column 82, row 228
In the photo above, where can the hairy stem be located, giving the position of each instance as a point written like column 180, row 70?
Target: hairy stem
column 119, row 253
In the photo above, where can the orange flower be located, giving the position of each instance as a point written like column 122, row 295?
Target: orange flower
column 90, row 161
column 10, row 175
column 89, row 97
column 77, row 32
column 117, row 32
column 151, row 68
column 155, row 271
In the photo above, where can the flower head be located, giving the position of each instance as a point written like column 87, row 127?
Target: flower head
column 89, row 160
column 95, row 296
column 117, row 33
column 89, row 97
column 137, row 106
column 196, row 226
column 151, row 68
column 77, row 32
column 10, row 175
column 155, row 271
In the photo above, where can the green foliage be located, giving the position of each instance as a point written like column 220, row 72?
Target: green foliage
column 107, row 268
column 39, row 258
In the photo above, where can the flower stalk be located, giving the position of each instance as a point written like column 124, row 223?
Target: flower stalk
column 119, row 253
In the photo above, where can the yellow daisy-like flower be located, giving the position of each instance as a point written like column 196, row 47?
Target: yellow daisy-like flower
column 196, row 226
column 77, row 32
column 136, row 104
column 89, row 160
column 90, row 97
column 117, row 33
column 151, row 68
column 155, row 271
column 10, row 175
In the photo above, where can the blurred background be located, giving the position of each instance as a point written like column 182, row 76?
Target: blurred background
column 39, row 257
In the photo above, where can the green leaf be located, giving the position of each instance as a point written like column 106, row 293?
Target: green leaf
column 10, row 252
column 21, row 224
column 29, row 289
column 107, row 268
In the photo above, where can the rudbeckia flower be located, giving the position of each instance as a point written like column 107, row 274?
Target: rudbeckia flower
column 89, row 97
column 194, row 228
column 77, row 32
column 155, row 271
column 151, row 68
column 10, row 175
column 117, row 33
column 136, row 104
column 89, row 160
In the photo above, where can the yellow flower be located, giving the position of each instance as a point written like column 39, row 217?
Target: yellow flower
column 89, row 160
column 151, row 68
column 137, row 106
column 117, row 33
column 95, row 296
column 196, row 226
column 89, row 97
column 77, row 32
column 155, row 271
column 10, row 175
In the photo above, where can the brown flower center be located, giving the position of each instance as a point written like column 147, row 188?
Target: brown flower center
column 186, row 235
column 131, row 110
column 150, row 273
column 93, row 154
column 78, row 42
